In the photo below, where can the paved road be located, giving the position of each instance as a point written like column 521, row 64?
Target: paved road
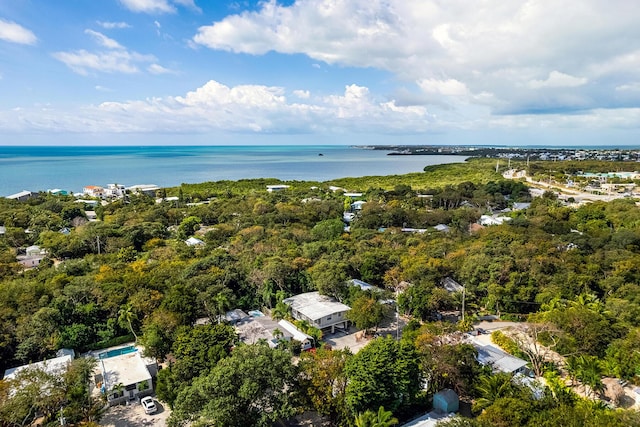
column 576, row 194
column 495, row 325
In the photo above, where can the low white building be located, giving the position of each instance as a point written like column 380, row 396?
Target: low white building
column 30, row 261
column 21, row 196
column 35, row 250
column 498, row 360
column 306, row 341
column 56, row 366
column 147, row 189
column 451, row 285
column 320, row 311
column 274, row 188
column 193, row 241
column 444, row 228
column 91, row 215
column 413, row 230
column 123, row 374
column 364, row 285
column 168, row 199
column 428, row 420
column 493, row 220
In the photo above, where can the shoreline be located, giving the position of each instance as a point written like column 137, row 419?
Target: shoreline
column 72, row 169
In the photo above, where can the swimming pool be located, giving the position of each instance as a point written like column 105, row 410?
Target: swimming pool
column 255, row 313
column 117, row 352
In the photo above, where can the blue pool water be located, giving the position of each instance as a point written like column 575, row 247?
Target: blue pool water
column 255, row 313
column 117, row 352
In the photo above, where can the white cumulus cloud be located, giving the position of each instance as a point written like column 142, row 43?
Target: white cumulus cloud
column 159, row 69
column 449, row 87
column 115, row 61
column 558, row 79
column 16, row 33
column 113, row 25
column 103, row 40
column 158, row 6
column 302, row 94
column 215, row 107
column 493, row 53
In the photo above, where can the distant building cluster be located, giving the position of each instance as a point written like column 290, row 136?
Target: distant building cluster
column 115, row 191
column 111, row 191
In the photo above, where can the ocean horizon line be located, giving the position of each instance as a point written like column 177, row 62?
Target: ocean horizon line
column 500, row 146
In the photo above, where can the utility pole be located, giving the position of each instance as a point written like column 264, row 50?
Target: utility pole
column 397, row 316
column 98, row 242
column 463, row 296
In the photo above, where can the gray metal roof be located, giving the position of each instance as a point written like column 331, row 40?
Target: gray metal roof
column 451, row 285
column 315, row 306
column 498, row 359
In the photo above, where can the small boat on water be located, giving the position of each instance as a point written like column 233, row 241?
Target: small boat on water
column 320, row 154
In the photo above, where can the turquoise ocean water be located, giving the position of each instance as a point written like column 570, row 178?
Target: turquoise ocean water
column 72, row 168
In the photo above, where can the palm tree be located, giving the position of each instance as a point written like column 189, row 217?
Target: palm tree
column 118, row 388
column 126, row 315
column 280, row 311
column 572, row 366
column 371, row 419
column 590, row 374
column 222, row 304
column 591, row 302
column 555, row 303
column 493, row 387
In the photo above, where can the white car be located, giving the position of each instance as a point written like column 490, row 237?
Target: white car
column 149, row 405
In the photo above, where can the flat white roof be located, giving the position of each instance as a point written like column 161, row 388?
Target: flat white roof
column 316, row 306
column 428, row 420
column 126, row 369
column 143, row 187
column 192, row 241
column 20, row 194
column 52, row 366
column 295, row 332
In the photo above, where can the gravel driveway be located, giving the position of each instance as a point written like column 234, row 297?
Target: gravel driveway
column 133, row 416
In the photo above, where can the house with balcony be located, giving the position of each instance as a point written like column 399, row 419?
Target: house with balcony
column 321, row 311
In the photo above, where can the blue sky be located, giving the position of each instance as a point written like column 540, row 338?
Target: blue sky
column 517, row 72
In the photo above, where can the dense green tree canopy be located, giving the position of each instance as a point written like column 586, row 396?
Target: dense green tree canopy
column 130, row 274
column 254, row 386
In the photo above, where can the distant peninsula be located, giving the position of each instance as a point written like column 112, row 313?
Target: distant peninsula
column 622, row 154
